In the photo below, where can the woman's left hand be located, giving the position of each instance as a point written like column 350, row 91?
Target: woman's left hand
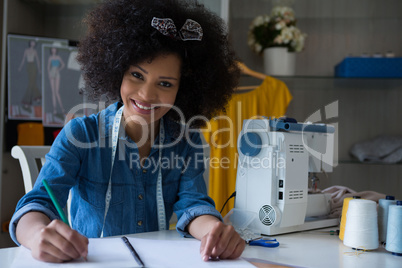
column 222, row 241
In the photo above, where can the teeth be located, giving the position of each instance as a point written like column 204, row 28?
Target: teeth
column 144, row 107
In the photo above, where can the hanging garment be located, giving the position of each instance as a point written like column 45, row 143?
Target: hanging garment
column 270, row 99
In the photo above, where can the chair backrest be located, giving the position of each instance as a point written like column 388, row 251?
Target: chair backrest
column 31, row 158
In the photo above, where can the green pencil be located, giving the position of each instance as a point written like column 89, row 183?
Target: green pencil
column 55, row 203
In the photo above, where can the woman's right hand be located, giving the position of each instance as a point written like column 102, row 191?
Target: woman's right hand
column 51, row 242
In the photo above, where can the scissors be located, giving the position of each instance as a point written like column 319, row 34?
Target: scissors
column 270, row 243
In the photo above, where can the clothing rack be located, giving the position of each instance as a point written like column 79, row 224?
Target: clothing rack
column 244, row 69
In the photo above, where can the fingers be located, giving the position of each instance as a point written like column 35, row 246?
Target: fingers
column 208, row 243
column 69, row 241
column 234, row 247
column 73, row 242
column 57, row 242
column 45, row 251
column 222, row 242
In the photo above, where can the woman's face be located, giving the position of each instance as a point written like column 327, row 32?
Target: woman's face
column 149, row 89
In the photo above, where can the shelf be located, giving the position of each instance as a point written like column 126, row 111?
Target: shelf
column 357, row 162
column 322, row 82
column 64, row 2
column 326, row 77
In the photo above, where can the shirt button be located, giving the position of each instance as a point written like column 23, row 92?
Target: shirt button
column 144, row 171
column 139, row 223
column 140, row 197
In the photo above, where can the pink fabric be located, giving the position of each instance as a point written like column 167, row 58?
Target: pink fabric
column 339, row 193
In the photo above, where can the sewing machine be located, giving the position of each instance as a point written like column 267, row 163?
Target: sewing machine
column 275, row 158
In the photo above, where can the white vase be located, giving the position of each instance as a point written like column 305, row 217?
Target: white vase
column 278, row 61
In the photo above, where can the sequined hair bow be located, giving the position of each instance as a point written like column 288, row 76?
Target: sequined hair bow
column 191, row 30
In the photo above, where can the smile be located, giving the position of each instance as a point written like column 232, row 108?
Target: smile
column 142, row 107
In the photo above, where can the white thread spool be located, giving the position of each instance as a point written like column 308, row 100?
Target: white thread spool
column 394, row 233
column 383, row 205
column 361, row 230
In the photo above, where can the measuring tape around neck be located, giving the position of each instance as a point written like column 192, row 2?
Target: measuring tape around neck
column 159, row 193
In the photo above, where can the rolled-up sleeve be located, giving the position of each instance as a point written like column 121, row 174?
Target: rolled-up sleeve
column 193, row 213
column 193, row 198
column 25, row 209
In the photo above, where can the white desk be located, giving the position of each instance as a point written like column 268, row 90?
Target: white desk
column 303, row 249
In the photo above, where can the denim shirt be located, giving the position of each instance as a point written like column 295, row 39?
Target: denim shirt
column 80, row 160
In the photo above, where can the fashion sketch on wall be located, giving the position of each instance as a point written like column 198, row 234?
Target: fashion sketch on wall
column 24, row 75
column 62, row 84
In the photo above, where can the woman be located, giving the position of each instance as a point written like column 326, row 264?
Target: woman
column 131, row 165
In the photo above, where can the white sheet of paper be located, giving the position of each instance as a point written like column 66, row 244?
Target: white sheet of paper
column 112, row 252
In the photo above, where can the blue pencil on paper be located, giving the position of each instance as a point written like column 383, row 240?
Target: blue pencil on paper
column 55, row 203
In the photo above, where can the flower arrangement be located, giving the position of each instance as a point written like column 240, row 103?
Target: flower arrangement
column 277, row 30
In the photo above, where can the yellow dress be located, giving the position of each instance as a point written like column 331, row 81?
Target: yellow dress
column 270, row 99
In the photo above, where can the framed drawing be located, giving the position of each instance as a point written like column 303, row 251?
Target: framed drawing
column 62, row 85
column 24, row 75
